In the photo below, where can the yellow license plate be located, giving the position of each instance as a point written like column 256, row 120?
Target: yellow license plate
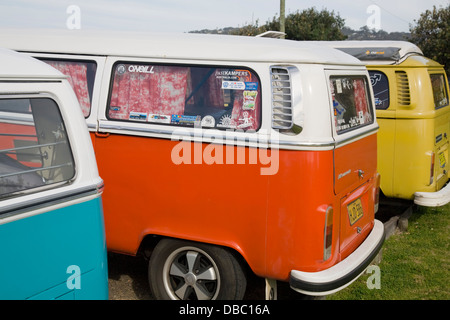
column 355, row 211
column 442, row 160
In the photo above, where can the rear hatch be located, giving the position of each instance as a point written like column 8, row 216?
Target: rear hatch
column 355, row 157
column 441, row 129
column 441, row 161
column 355, row 170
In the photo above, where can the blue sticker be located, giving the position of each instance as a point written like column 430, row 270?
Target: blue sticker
column 251, row 86
column 182, row 119
column 138, row 116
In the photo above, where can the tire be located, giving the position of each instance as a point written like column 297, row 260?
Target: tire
column 184, row 270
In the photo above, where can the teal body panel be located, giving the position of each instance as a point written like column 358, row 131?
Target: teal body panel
column 58, row 254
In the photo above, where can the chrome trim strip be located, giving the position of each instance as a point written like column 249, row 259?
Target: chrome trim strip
column 42, row 202
column 178, row 132
column 135, row 129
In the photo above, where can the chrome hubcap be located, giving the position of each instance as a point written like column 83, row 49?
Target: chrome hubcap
column 191, row 274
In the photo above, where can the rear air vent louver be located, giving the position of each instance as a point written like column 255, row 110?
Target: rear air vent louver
column 281, row 98
column 403, row 96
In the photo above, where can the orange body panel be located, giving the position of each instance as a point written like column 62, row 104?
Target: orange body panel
column 276, row 222
column 146, row 193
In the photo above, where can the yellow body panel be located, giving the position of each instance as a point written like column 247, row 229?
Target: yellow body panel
column 413, row 133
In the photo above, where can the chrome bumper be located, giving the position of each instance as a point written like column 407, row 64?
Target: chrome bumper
column 345, row 272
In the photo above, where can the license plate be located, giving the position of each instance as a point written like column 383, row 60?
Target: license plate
column 442, row 160
column 355, row 211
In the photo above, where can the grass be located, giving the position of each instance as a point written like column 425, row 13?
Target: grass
column 415, row 264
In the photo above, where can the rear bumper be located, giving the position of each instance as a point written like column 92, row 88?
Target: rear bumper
column 342, row 274
column 433, row 199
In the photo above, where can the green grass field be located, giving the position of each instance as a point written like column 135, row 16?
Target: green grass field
column 415, row 264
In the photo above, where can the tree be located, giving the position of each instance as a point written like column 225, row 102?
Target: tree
column 309, row 24
column 432, row 34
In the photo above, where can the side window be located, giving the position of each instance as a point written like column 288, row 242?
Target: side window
column 351, row 103
column 210, row 97
column 81, row 76
column 34, row 148
column 380, row 86
column 440, row 93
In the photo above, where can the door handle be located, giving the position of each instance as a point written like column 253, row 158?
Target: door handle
column 360, row 174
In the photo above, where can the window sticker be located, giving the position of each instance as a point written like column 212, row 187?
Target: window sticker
column 208, row 122
column 230, row 74
column 251, row 85
column 226, row 122
column 185, row 120
column 246, row 121
column 159, row 118
column 338, row 86
column 249, row 100
column 138, row 116
column 233, row 85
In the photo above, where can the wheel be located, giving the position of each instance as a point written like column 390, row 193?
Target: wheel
column 183, row 270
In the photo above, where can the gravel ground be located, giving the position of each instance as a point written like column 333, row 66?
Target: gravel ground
column 127, row 278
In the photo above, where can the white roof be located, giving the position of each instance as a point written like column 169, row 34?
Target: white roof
column 16, row 65
column 184, row 46
column 369, row 49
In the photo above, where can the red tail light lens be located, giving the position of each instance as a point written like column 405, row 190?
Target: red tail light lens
column 328, row 233
column 377, row 193
column 432, row 168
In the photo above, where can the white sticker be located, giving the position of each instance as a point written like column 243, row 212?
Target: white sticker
column 233, row 85
column 226, row 122
column 158, row 118
column 338, row 86
column 246, row 119
column 208, row 121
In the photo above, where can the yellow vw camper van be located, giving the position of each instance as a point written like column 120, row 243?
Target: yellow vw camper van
column 413, row 112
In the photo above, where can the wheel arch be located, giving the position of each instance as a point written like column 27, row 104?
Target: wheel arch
column 150, row 241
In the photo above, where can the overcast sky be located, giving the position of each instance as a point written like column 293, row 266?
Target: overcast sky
column 188, row 15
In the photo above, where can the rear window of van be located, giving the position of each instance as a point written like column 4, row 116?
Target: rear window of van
column 351, row 103
column 380, row 87
column 34, row 146
column 190, row 96
column 440, row 94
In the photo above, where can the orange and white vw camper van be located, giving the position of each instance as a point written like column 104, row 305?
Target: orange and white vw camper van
column 225, row 155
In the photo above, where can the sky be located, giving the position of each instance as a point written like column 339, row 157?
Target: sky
column 189, row 15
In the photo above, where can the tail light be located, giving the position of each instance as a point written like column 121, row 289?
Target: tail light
column 377, row 193
column 328, row 233
column 432, row 168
